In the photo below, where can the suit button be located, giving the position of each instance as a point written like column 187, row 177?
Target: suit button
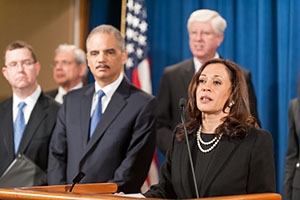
column 298, row 165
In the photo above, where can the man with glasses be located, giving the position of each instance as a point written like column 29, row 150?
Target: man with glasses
column 206, row 33
column 69, row 70
column 27, row 118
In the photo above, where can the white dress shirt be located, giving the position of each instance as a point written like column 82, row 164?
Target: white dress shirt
column 62, row 92
column 108, row 90
column 30, row 103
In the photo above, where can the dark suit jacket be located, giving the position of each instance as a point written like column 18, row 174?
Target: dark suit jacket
column 52, row 93
column 292, row 160
column 36, row 136
column 238, row 166
column 121, row 147
column 173, row 86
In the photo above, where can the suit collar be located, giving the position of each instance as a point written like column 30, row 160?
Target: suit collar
column 188, row 72
column 220, row 157
column 115, row 106
column 36, row 117
column 85, row 109
column 110, row 89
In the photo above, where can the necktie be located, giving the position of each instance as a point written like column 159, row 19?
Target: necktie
column 19, row 126
column 97, row 113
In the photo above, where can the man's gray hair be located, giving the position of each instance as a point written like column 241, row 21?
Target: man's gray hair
column 107, row 29
column 204, row 15
column 80, row 57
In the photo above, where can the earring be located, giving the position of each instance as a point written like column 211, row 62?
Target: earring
column 230, row 105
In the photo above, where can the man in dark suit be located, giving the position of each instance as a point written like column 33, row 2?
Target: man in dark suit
column 39, row 113
column 69, row 70
column 206, row 32
column 121, row 147
column 291, row 184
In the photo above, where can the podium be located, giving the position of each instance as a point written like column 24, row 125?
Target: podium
column 80, row 191
column 99, row 191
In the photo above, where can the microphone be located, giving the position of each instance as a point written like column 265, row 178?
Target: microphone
column 76, row 180
column 182, row 104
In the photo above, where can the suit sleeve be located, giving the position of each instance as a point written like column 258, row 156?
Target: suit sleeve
column 133, row 170
column 291, row 158
column 262, row 165
column 164, row 189
column 252, row 96
column 164, row 116
column 58, row 152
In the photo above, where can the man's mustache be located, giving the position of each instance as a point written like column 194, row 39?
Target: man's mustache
column 102, row 66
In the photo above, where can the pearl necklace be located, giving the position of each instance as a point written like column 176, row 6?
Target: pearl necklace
column 214, row 141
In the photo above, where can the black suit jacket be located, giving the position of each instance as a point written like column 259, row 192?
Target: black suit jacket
column 173, row 86
column 292, row 159
column 36, row 136
column 52, row 93
column 238, row 166
column 121, row 147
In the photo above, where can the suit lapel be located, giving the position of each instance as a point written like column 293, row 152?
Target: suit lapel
column 36, row 117
column 219, row 158
column 188, row 72
column 115, row 106
column 186, row 169
column 6, row 125
column 85, row 115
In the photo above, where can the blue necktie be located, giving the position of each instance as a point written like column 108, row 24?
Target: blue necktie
column 97, row 113
column 19, row 126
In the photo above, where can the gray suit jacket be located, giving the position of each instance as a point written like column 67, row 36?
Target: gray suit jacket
column 121, row 147
column 173, row 86
column 292, row 160
column 36, row 136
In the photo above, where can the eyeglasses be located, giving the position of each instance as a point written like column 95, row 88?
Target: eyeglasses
column 63, row 63
column 24, row 64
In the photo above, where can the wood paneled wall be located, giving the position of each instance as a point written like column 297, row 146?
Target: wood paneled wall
column 44, row 25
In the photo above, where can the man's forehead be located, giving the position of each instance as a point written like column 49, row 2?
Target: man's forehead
column 21, row 53
column 18, row 50
column 101, row 39
column 200, row 25
column 65, row 54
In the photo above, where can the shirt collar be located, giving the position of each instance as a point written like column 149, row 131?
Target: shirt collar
column 62, row 91
column 30, row 100
column 111, row 88
column 198, row 64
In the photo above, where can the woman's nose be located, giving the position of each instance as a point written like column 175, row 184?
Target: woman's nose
column 206, row 89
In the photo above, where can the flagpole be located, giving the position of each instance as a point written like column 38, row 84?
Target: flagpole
column 123, row 18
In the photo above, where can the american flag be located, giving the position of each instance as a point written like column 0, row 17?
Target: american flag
column 138, row 64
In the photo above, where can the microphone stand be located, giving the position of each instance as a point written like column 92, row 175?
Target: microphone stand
column 78, row 178
column 182, row 107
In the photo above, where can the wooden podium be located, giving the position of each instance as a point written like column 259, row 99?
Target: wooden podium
column 80, row 191
column 99, row 191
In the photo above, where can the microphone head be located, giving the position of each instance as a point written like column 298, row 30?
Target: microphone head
column 182, row 102
column 78, row 178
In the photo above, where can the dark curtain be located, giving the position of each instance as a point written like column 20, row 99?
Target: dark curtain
column 261, row 36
